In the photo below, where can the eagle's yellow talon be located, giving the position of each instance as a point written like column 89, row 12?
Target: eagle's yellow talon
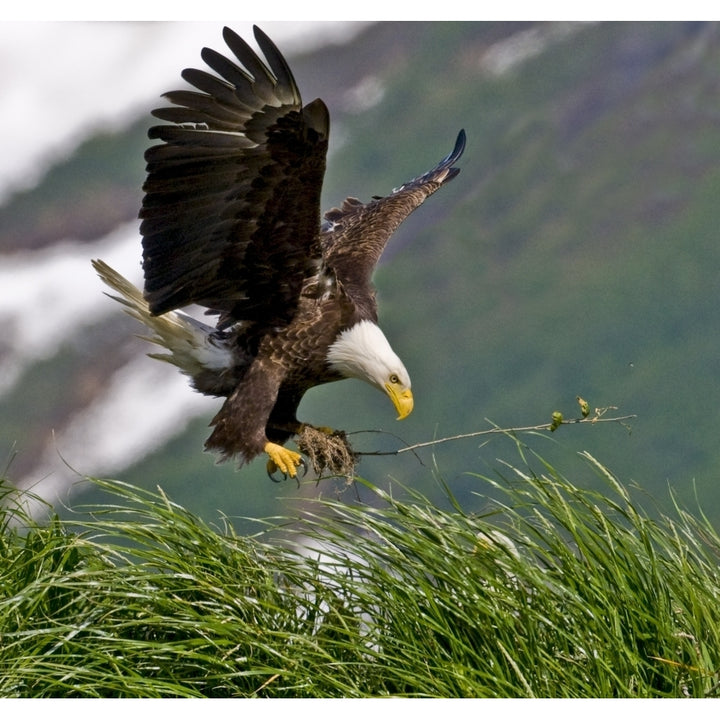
column 287, row 461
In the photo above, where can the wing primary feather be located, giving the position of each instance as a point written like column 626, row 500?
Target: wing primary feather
column 224, row 67
column 457, row 150
column 443, row 172
column 278, row 65
column 215, row 87
column 264, row 82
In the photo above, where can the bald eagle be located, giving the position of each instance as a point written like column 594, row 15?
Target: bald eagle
column 231, row 221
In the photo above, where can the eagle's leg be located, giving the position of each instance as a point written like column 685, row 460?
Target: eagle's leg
column 280, row 458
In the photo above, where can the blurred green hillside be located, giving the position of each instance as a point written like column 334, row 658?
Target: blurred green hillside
column 576, row 253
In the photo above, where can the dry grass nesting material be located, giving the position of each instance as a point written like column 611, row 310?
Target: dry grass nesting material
column 328, row 452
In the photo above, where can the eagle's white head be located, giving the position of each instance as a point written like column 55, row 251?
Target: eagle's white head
column 364, row 352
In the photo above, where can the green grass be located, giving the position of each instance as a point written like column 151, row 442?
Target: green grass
column 555, row 591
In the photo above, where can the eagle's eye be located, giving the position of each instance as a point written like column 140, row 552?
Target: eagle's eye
column 394, row 379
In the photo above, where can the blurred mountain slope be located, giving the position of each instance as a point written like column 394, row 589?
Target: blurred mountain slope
column 575, row 254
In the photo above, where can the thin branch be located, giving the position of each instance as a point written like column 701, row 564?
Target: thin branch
column 597, row 418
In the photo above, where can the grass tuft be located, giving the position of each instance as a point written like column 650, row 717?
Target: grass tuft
column 554, row 591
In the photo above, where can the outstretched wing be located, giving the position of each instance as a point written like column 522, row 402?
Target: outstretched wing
column 231, row 210
column 358, row 232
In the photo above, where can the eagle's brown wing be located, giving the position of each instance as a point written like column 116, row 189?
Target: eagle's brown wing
column 356, row 233
column 231, row 211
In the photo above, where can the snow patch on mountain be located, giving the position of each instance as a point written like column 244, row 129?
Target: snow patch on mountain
column 50, row 294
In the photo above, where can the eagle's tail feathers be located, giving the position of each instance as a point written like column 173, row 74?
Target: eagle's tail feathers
column 193, row 346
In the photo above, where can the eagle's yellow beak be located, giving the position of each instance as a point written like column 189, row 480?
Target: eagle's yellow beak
column 402, row 399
